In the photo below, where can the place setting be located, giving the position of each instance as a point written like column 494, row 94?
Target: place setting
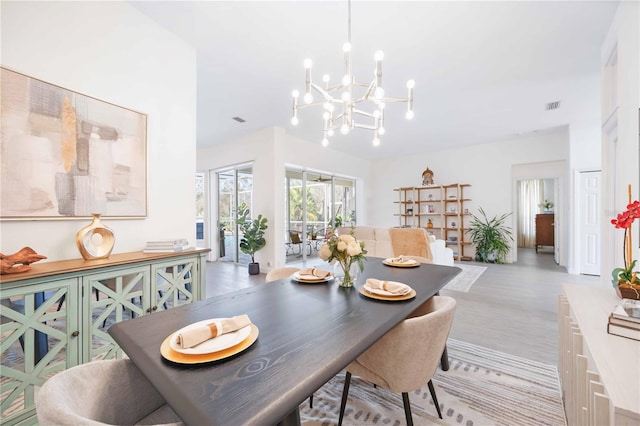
column 401, row 262
column 210, row 340
column 386, row 290
column 312, row 276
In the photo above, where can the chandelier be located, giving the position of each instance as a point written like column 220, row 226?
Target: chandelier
column 345, row 102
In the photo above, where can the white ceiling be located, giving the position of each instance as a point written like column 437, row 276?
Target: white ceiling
column 483, row 70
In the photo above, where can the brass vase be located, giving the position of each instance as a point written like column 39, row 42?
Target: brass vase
column 95, row 241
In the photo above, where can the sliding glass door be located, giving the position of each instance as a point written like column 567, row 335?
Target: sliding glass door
column 315, row 202
column 235, row 187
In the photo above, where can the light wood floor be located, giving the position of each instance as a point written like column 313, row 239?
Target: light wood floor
column 511, row 308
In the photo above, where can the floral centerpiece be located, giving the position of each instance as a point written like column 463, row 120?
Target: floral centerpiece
column 625, row 279
column 348, row 253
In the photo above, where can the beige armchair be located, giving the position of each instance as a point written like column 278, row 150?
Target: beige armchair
column 406, row 358
column 112, row 392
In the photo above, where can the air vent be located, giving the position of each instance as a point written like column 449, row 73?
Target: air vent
column 239, row 119
column 552, row 105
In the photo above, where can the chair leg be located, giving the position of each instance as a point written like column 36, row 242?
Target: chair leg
column 434, row 397
column 407, row 408
column 311, row 401
column 345, row 394
column 64, row 296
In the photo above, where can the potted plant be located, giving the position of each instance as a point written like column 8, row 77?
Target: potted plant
column 547, row 206
column 252, row 235
column 491, row 237
column 626, row 280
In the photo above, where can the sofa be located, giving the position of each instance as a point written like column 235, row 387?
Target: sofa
column 377, row 242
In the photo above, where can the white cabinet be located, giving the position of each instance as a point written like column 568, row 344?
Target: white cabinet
column 599, row 372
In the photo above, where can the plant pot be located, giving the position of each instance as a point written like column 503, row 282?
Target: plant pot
column 627, row 290
column 254, row 268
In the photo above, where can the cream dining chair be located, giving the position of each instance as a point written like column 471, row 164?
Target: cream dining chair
column 279, row 273
column 406, row 358
column 111, row 392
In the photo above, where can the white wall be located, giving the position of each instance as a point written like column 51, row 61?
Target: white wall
column 487, row 167
column 270, row 151
column 110, row 51
column 620, row 140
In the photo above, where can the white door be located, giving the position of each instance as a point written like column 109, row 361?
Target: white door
column 589, row 223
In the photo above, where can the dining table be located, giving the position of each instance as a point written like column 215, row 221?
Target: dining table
column 306, row 334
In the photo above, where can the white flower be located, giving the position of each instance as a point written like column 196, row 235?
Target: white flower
column 325, row 252
column 354, row 249
column 347, row 238
column 342, row 246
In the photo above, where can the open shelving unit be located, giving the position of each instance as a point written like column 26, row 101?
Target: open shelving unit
column 440, row 210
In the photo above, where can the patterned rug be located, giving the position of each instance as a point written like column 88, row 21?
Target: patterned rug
column 482, row 387
column 465, row 279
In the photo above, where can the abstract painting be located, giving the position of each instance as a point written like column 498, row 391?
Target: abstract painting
column 68, row 155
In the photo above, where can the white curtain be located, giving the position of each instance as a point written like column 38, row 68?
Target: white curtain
column 530, row 194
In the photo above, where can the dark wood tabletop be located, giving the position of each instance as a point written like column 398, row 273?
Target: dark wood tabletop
column 308, row 333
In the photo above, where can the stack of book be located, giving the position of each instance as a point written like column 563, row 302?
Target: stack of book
column 625, row 319
column 166, row 246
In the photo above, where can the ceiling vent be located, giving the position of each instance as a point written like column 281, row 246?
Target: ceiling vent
column 239, row 119
column 552, row 105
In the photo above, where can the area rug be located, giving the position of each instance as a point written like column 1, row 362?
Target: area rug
column 465, row 279
column 482, row 387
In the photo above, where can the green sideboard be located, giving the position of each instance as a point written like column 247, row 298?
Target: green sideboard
column 57, row 315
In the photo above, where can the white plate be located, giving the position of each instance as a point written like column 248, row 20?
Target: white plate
column 216, row 344
column 296, row 276
column 409, row 263
column 384, row 292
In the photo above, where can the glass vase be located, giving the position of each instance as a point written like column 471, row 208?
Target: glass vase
column 346, row 276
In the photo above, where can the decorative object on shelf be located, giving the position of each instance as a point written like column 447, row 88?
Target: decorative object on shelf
column 430, row 224
column 491, row 237
column 625, row 280
column 427, row 179
column 350, row 94
column 349, row 255
column 252, row 236
column 547, row 206
column 95, row 241
column 453, row 224
column 409, row 210
column 19, row 261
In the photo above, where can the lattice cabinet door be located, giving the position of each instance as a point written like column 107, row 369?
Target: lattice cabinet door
column 39, row 336
column 108, row 298
column 175, row 283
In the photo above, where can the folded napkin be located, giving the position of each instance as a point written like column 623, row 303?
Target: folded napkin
column 388, row 286
column 402, row 260
column 194, row 336
column 313, row 273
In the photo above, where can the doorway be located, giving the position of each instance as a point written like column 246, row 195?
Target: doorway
column 537, row 226
column 234, row 187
